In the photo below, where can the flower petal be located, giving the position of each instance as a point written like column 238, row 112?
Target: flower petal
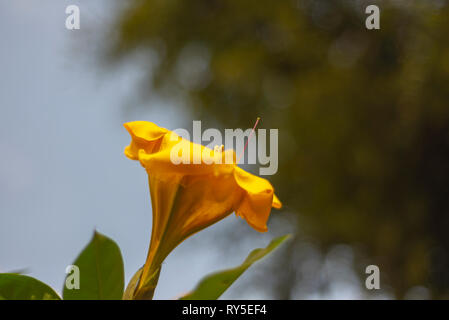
column 256, row 204
column 276, row 202
column 165, row 162
column 145, row 135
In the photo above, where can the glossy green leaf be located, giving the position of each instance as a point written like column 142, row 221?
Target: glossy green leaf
column 101, row 275
column 19, row 287
column 213, row 285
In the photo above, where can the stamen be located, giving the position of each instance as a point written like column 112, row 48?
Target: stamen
column 249, row 138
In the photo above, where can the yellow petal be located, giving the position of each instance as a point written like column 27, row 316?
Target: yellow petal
column 145, row 135
column 256, row 204
column 276, row 202
column 161, row 163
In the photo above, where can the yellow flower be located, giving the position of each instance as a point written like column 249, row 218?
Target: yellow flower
column 188, row 197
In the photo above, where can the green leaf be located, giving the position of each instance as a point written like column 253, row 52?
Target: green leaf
column 129, row 292
column 101, row 275
column 213, row 285
column 19, row 287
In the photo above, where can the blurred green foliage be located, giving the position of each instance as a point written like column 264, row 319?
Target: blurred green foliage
column 363, row 116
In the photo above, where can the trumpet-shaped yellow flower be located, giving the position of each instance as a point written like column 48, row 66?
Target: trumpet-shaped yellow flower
column 187, row 198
